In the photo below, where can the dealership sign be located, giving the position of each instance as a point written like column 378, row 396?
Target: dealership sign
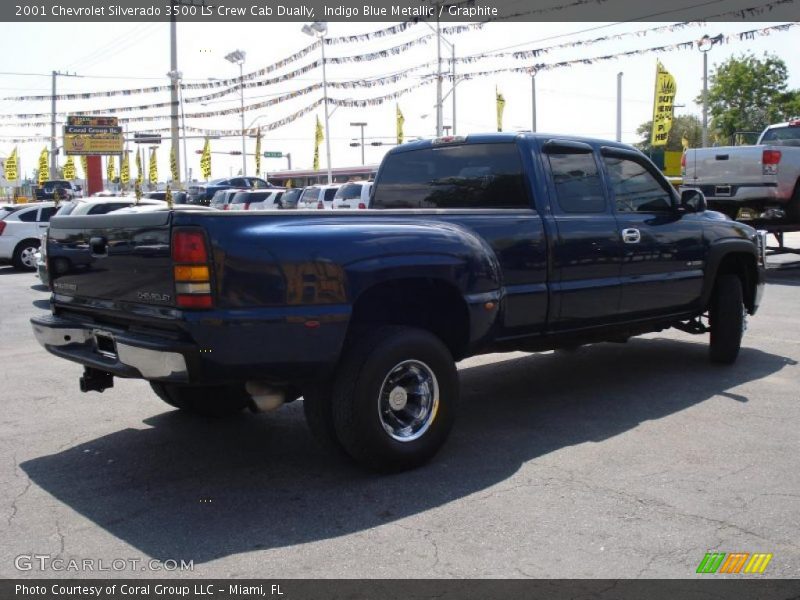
column 92, row 135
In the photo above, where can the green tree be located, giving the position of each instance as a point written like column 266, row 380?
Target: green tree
column 683, row 125
column 748, row 93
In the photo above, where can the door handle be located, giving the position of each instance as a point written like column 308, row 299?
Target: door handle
column 631, row 236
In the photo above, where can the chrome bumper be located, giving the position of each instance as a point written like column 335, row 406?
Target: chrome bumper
column 129, row 356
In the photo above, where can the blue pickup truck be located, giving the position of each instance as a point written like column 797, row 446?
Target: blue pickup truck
column 481, row 244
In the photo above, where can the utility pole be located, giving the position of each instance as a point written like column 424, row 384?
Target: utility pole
column 361, row 125
column 438, row 76
column 619, row 106
column 53, row 139
column 533, row 101
column 173, row 62
column 453, row 57
column 704, row 45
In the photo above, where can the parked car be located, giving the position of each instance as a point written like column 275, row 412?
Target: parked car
column 257, row 200
column 178, row 196
column 317, row 196
column 488, row 243
column 47, row 191
column 98, row 206
column 222, row 199
column 202, row 193
column 353, row 195
column 290, row 197
column 748, row 183
column 20, row 233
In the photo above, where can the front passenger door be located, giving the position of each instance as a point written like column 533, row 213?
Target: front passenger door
column 662, row 265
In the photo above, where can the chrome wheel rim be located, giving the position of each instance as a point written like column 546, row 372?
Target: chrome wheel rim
column 28, row 257
column 408, row 400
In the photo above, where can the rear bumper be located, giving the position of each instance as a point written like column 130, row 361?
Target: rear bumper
column 132, row 356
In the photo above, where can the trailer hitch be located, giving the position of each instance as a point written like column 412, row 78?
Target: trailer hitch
column 95, row 380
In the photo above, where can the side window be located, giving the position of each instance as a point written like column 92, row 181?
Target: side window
column 462, row 176
column 577, row 182
column 635, row 189
column 28, row 216
column 329, row 194
column 46, row 213
column 240, row 182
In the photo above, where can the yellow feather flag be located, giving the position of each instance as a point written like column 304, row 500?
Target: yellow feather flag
column 318, row 137
column 139, row 170
column 258, row 153
column 400, row 121
column 44, row 170
column 663, row 106
column 153, row 175
column 205, row 159
column 69, row 169
column 500, row 105
column 11, row 166
column 125, row 170
column 110, row 174
column 173, row 165
column 168, row 197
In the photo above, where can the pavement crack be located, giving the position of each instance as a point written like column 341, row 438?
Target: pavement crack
column 18, row 497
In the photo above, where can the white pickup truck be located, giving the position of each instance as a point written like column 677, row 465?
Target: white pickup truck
column 760, row 182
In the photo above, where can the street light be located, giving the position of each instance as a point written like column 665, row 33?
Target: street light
column 237, row 57
column 361, row 125
column 704, row 45
column 318, row 29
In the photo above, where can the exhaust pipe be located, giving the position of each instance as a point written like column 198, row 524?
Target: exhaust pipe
column 94, row 380
column 264, row 396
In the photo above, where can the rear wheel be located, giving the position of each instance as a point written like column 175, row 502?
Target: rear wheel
column 208, row 401
column 24, row 257
column 394, row 398
column 793, row 208
column 727, row 319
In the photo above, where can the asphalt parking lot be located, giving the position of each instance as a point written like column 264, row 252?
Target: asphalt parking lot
column 627, row 460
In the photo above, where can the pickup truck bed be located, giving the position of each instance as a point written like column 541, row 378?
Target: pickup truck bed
column 476, row 245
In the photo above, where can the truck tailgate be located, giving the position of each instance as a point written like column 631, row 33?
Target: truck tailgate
column 124, row 258
column 724, row 166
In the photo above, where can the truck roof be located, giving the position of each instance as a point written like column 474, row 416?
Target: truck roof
column 509, row 136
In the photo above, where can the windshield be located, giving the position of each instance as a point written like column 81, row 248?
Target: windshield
column 782, row 136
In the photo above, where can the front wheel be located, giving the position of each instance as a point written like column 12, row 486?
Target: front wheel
column 394, row 399
column 208, row 401
column 24, row 257
column 727, row 319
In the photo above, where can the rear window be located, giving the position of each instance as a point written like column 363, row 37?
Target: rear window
column 102, row 209
column 28, row 216
column 219, row 198
column 292, row 195
column 349, row 191
column 329, row 194
column 782, row 136
column 464, row 176
column 311, row 194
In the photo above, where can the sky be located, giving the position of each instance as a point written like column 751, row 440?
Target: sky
column 577, row 100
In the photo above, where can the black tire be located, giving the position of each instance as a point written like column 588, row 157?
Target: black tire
column 365, row 370
column 208, row 401
column 727, row 319
column 793, row 208
column 22, row 259
column 318, row 410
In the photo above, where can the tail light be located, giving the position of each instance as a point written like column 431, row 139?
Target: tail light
column 769, row 162
column 320, row 205
column 361, row 205
column 683, row 160
column 2, row 227
column 191, row 269
column 247, row 206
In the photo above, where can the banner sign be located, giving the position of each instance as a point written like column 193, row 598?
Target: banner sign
column 97, row 143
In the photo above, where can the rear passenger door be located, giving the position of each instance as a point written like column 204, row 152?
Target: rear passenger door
column 662, row 268
column 587, row 251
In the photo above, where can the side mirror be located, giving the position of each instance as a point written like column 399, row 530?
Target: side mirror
column 693, row 200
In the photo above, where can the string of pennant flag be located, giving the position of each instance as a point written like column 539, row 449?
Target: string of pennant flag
column 719, row 39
